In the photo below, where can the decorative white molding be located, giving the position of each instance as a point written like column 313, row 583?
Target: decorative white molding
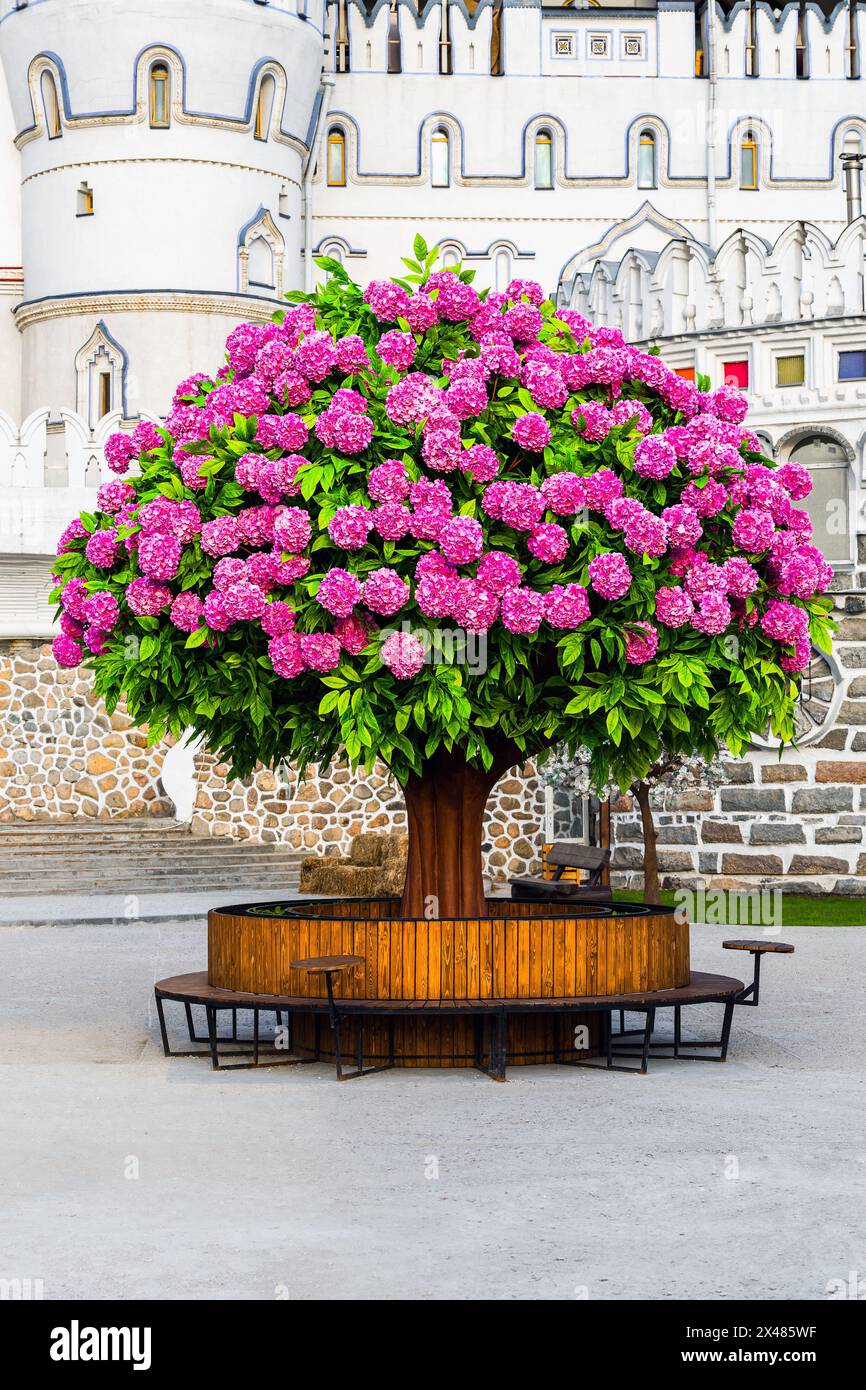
column 140, row 302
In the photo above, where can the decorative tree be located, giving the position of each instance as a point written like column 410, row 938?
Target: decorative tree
column 371, row 467
column 670, row 771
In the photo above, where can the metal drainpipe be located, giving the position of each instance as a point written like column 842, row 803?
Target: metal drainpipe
column 327, row 82
column 852, row 170
column 712, row 229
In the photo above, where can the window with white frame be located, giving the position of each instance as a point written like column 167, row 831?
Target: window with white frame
column 828, row 504
column 440, row 158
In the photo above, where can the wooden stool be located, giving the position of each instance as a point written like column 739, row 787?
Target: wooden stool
column 329, row 966
column 751, row 994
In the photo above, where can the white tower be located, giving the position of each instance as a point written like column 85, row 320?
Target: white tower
column 162, row 149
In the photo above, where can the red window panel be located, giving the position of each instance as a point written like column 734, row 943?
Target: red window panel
column 687, row 373
column 737, row 374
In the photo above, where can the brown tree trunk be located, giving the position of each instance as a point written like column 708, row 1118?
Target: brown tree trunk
column 650, row 854
column 445, row 809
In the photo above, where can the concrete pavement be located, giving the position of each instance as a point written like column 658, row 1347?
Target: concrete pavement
column 123, row 1175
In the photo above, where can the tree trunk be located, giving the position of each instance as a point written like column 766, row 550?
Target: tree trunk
column 650, row 854
column 445, row 809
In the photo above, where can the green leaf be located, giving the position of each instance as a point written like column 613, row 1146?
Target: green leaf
column 195, row 639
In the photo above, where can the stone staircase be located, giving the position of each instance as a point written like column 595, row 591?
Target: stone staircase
column 152, row 856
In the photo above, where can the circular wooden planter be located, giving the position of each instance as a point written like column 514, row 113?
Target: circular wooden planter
column 520, row 951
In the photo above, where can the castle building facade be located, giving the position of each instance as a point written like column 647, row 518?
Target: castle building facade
column 691, row 172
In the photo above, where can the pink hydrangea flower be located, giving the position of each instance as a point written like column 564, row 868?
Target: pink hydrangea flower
column 292, row 389
column 795, row 479
column 101, row 610
column 220, row 536
column 320, row 651
column 753, row 529
column 351, row 354
column 522, row 506
column 740, row 578
column 388, row 301
column 434, row 594
column 708, row 500
column 186, row 612
column 285, row 654
column 633, row 412
column 421, row 312
column 287, row 432
column 548, row 542
column 531, row 432
column 278, row 618
column 654, row 457
column 397, row 349
column 683, row 523
column 566, row 606
column 339, row 592
column 292, row 528
column 601, row 488
column 392, row 520
column 347, row 431
column 674, row 608
column 119, row 451
column 785, row 622
column 242, row 347
column 350, row 526
column 642, row 643
column 159, row 555
column 112, row 496
column 528, row 289
column 146, row 598
column 385, row 592
column 523, row 322
column 101, row 549
column 67, row 652
column 801, row 658
column 403, row 654
column 472, row 606
column 456, row 301
column 461, row 540
column 481, row 461
column 75, row 531
column 564, row 494
column 609, row 575
column 388, row 482
column 73, row 596
column 592, row 420
column 498, row 572
column 146, row 437
column 646, row 535
column 316, row 355
column 412, row 399
column 352, row 634
column 522, row 610
column 713, row 613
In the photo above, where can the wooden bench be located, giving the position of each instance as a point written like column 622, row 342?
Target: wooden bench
column 193, row 989
column 751, row 994
column 559, row 858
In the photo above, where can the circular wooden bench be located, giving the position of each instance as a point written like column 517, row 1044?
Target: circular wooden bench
column 193, row 989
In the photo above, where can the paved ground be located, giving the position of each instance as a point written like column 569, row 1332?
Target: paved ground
column 695, row 1181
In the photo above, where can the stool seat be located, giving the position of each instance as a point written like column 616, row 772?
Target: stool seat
column 323, row 965
column 759, row 947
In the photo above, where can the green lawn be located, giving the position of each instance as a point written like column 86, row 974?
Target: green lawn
column 797, row 909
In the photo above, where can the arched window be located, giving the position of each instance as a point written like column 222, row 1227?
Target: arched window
column 501, row 270
column 264, row 107
column 450, row 257
column 99, row 365
column 336, row 157
column 544, row 159
column 646, row 159
column 828, row 504
column 160, row 96
column 440, row 159
column 51, row 106
column 261, row 264
column 748, row 160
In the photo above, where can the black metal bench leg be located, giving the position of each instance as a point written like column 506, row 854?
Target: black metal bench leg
column 502, row 1035
column 647, row 1037
column 726, row 1029
column 189, row 1023
column 608, row 1036
column 255, row 1037
column 161, row 1015
column 210, row 1012
column 338, row 1060
column 678, row 1029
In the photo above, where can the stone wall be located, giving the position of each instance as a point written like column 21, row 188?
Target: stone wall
column 795, row 822
column 61, row 755
column 325, row 811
